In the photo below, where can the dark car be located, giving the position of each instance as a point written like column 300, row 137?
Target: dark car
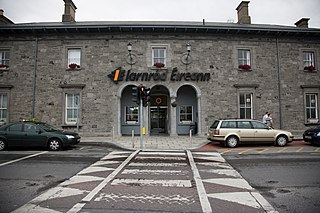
column 312, row 135
column 36, row 134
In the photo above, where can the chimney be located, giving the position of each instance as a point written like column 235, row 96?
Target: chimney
column 69, row 11
column 302, row 23
column 4, row 20
column 243, row 13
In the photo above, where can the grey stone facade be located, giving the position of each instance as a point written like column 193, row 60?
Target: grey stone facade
column 277, row 79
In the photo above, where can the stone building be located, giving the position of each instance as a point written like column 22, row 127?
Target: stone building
column 79, row 75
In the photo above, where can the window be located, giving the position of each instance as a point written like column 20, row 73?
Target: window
column 186, row 113
column 3, row 107
column 72, row 108
column 28, row 127
column 312, row 107
column 229, row 124
column 244, row 57
column 159, row 55
column 131, row 114
column 4, row 58
column 15, row 128
column 245, row 103
column 308, row 59
column 74, row 57
column 258, row 125
column 244, row 125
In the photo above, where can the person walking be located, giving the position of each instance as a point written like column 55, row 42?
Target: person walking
column 269, row 120
column 264, row 118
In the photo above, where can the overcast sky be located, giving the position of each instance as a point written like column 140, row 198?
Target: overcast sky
column 279, row 12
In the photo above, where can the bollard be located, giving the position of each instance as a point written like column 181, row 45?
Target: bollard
column 190, row 138
column 132, row 138
column 113, row 134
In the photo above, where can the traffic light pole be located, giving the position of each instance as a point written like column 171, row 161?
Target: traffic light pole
column 141, row 125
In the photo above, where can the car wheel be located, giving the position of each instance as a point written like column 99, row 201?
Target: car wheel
column 54, row 144
column 3, row 145
column 232, row 141
column 282, row 140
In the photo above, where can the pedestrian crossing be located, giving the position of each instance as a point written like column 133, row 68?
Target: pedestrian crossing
column 159, row 181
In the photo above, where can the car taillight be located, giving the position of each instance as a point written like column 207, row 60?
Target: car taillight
column 216, row 132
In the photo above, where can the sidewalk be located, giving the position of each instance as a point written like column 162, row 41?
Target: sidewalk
column 153, row 142
column 149, row 142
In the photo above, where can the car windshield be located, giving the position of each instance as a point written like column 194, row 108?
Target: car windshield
column 47, row 127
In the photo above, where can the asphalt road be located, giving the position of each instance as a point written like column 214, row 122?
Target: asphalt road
column 27, row 178
column 290, row 182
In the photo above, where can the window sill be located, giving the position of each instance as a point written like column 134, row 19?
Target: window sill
column 75, row 69
column 310, row 71
column 310, row 124
column 160, row 68
column 243, row 70
column 70, row 126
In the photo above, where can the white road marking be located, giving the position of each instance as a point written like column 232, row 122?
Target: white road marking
column 216, row 154
column 95, row 169
column 158, row 172
column 111, row 156
column 146, row 182
column 244, row 198
column 299, row 149
column 263, row 202
column 205, row 204
column 163, row 153
column 89, row 197
column 101, row 163
column 160, row 158
column 81, row 179
column 217, row 159
column 228, row 172
column 33, row 208
column 281, row 150
column 220, row 165
column 263, row 151
column 20, row 159
column 238, row 183
column 158, row 164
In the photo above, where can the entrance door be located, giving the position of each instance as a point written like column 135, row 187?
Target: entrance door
column 158, row 117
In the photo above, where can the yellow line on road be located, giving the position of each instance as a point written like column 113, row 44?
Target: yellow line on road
column 317, row 150
column 299, row 149
column 281, row 150
column 263, row 150
column 247, row 150
column 229, row 150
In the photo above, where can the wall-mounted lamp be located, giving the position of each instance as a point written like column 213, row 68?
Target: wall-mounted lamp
column 186, row 57
column 132, row 58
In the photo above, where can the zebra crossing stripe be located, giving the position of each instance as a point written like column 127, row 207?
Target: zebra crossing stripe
column 205, row 204
column 146, row 182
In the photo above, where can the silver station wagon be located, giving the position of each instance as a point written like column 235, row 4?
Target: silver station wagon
column 231, row 132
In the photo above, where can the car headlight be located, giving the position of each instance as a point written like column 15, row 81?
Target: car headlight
column 70, row 136
column 318, row 134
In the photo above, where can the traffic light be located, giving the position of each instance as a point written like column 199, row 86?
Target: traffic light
column 136, row 94
column 146, row 97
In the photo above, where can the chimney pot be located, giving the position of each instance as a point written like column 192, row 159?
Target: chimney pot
column 1, row 12
column 69, row 11
column 302, row 23
column 243, row 13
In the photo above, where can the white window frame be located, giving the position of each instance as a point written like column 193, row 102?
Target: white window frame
column 4, row 57
column 75, row 107
column 185, row 114
column 3, row 108
column 308, row 58
column 244, row 57
column 309, row 107
column 129, row 117
column 246, row 105
column 156, row 58
column 74, row 56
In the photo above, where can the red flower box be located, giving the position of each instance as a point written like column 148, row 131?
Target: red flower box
column 3, row 66
column 158, row 65
column 245, row 66
column 74, row 66
column 310, row 68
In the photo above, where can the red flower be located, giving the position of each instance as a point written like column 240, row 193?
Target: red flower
column 73, row 66
column 3, row 66
column 245, row 66
column 158, row 65
column 310, row 68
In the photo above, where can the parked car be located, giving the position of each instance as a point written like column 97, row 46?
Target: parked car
column 312, row 136
column 35, row 134
column 231, row 132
